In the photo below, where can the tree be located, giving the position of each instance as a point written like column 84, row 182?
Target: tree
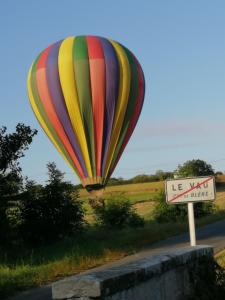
column 52, row 211
column 141, row 178
column 13, row 145
column 162, row 175
column 55, row 175
column 195, row 167
column 12, row 148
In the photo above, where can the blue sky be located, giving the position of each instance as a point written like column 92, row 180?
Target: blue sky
column 181, row 47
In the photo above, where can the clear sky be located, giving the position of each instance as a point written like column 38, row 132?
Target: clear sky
column 181, row 47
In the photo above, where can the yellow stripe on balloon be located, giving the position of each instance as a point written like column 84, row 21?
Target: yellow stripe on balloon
column 68, row 84
column 121, row 106
column 42, row 122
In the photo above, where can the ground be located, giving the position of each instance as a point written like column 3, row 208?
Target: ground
column 24, row 268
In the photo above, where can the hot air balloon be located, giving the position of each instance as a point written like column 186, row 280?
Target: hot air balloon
column 87, row 93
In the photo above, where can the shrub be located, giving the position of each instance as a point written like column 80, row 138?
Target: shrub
column 49, row 215
column 117, row 213
column 207, row 285
column 52, row 211
column 135, row 220
column 164, row 212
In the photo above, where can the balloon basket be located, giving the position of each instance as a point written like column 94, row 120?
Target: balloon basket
column 95, row 190
column 96, row 197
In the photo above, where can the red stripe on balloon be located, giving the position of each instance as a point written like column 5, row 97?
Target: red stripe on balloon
column 42, row 86
column 94, row 47
column 135, row 117
column 97, row 79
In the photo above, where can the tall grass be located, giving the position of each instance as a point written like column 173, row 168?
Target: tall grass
column 24, row 268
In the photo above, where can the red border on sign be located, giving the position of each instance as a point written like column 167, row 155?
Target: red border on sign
column 191, row 189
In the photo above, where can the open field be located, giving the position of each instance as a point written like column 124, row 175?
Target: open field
column 134, row 192
column 142, row 196
column 24, row 268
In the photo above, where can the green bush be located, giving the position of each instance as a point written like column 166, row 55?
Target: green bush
column 117, row 213
column 52, row 211
column 207, row 285
column 164, row 212
column 135, row 220
column 50, row 214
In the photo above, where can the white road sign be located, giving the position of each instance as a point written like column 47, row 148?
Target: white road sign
column 195, row 189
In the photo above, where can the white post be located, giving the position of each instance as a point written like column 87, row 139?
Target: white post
column 191, row 220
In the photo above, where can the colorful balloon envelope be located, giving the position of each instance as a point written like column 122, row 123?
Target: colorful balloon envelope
column 87, row 93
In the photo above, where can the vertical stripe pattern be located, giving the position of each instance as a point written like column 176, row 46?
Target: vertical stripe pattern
column 87, row 93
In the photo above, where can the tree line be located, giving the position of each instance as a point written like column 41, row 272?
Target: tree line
column 191, row 168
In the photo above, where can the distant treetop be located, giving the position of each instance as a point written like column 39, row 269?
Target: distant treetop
column 195, row 167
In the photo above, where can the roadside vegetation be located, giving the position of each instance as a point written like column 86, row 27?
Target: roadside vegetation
column 54, row 230
column 220, row 258
column 207, row 285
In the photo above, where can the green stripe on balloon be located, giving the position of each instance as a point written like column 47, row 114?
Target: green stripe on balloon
column 43, row 113
column 83, row 84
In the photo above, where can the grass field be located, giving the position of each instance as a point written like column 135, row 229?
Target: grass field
column 142, row 196
column 134, row 192
column 24, row 268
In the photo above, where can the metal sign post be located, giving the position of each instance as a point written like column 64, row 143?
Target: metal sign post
column 190, row 190
column 191, row 221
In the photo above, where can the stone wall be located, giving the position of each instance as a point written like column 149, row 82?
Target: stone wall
column 154, row 277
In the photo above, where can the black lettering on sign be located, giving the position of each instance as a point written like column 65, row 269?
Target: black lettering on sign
column 180, row 188
column 173, row 188
column 198, row 185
